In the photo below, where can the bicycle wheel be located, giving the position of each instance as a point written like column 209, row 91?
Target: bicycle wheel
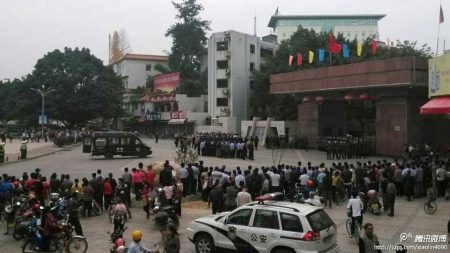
column 430, row 207
column 357, row 231
column 348, row 226
column 77, row 245
column 343, row 196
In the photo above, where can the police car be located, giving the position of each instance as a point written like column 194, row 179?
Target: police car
column 266, row 226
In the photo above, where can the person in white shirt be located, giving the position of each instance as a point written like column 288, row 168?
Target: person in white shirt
column 239, row 178
column 183, row 174
column 275, row 181
column 355, row 207
column 313, row 200
column 303, row 183
column 243, row 197
column 216, row 176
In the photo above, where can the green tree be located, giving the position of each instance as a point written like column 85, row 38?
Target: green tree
column 189, row 42
column 284, row 107
column 84, row 89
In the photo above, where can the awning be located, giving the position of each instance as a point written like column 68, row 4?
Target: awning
column 437, row 105
column 176, row 121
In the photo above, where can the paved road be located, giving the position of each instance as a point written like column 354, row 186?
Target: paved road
column 409, row 218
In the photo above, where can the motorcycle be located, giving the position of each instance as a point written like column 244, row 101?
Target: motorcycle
column 117, row 238
column 62, row 241
column 162, row 212
column 373, row 202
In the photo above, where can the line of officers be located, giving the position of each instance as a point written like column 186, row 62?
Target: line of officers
column 226, row 146
column 347, row 148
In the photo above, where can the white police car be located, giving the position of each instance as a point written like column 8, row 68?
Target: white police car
column 266, row 226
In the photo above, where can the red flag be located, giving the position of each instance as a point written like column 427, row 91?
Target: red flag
column 299, row 59
column 441, row 15
column 291, row 58
column 333, row 46
column 374, row 45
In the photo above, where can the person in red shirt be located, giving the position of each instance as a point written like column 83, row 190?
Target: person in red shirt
column 29, row 183
column 107, row 193
column 136, row 179
column 46, row 188
column 151, row 175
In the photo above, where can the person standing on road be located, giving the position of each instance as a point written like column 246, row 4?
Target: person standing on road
column 368, row 240
column 216, row 198
column 391, row 192
column 183, row 174
column 354, row 210
column 88, row 197
column 172, row 245
column 137, row 183
column 230, row 197
column 126, row 178
column 165, row 176
column 327, row 184
column 73, row 213
column 243, row 197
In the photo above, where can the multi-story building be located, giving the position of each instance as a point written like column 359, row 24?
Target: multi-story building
column 135, row 70
column 351, row 26
column 232, row 59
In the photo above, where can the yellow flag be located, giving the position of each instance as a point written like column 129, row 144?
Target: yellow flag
column 359, row 48
column 311, row 57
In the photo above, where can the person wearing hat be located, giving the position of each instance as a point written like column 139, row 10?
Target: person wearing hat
column 135, row 246
column 172, row 244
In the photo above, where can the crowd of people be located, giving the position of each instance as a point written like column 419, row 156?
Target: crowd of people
column 347, row 148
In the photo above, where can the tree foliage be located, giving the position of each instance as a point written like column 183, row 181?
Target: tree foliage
column 284, row 107
column 189, row 42
column 84, row 89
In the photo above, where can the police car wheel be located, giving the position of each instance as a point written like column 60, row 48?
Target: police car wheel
column 204, row 244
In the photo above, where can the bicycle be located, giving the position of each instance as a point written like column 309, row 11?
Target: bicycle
column 430, row 206
column 357, row 232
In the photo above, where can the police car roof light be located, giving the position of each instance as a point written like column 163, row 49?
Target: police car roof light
column 270, row 196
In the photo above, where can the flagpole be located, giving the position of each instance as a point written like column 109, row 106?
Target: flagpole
column 439, row 29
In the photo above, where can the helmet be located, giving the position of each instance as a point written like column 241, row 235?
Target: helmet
column 119, row 242
column 137, row 235
column 121, row 249
column 36, row 207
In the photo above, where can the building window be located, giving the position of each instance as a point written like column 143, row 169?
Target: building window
column 252, row 84
column 266, row 53
column 252, row 66
column 222, row 101
column 222, row 83
column 222, row 64
column 252, row 48
column 222, row 45
column 148, row 67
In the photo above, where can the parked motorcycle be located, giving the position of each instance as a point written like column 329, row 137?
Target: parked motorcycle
column 373, row 202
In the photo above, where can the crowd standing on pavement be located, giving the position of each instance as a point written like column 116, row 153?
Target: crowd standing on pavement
column 225, row 189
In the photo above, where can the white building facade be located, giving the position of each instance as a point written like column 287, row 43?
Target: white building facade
column 233, row 57
column 352, row 27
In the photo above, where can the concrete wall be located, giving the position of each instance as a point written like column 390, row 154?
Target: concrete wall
column 308, row 122
column 192, row 104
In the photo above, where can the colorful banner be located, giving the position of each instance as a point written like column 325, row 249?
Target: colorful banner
column 299, row 59
column 311, row 57
column 374, row 46
column 359, row 48
column 439, row 76
column 345, row 51
column 166, row 83
column 291, row 58
column 321, row 55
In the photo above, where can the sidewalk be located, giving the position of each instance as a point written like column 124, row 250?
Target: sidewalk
column 35, row 150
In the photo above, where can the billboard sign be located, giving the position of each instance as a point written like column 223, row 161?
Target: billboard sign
column 439, row 76
column 166, row 83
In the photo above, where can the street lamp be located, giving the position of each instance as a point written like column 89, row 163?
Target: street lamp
column 43, row 93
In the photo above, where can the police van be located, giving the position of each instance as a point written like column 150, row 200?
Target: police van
column 109, row 144
column 266, row 226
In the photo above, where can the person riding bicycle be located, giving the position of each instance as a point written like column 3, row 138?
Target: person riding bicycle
column 354, row 211
column 135, row 246
column 120, row 212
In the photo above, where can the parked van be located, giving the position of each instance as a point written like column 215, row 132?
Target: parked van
column 109, row 144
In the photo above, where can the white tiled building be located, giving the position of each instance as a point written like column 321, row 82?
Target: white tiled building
column 232, row 59
column 352, row 27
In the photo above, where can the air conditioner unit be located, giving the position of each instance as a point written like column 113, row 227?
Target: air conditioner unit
column 224, row 109
column 228, row 71
column 227, row 34
column 225, row 91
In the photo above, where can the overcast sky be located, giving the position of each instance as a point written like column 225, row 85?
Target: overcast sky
column 31, row 28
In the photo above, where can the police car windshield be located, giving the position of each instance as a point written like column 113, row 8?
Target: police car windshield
column 319, row 220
